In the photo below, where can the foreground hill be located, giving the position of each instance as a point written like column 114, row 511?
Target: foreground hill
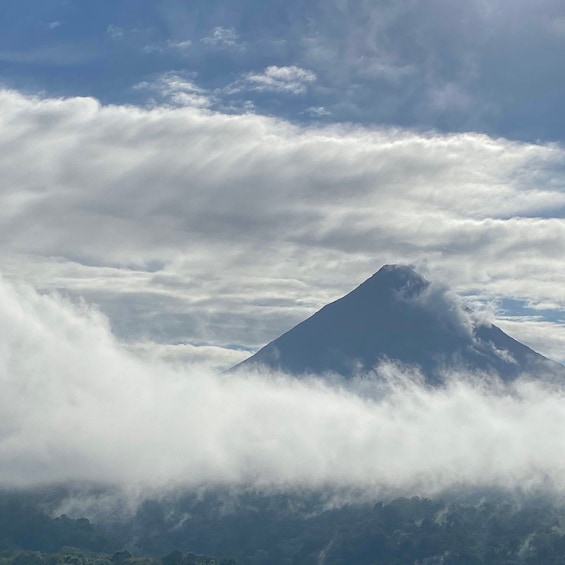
column 397, row 315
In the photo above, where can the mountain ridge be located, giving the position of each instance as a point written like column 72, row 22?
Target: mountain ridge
column 397, row 315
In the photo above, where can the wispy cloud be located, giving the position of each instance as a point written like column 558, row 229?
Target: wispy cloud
column 317, row 111
column 177, row 90
column 222, row 38
column 186, row 354
column 292, row 80
column 179, row 46
column 115, row 32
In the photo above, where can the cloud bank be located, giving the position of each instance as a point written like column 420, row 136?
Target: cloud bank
column 188, row 226
column 77, row 406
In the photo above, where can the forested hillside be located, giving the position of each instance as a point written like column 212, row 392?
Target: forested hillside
column 290, row 529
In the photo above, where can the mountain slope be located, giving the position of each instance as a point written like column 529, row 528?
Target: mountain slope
column 397, row 315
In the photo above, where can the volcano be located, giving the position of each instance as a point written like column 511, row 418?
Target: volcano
column 397, row 315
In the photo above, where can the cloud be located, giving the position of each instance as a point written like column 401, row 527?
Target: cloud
column 76, row 406
column 544, row 336
column 223, row 38
column 293, row 80
column 183, row 354
column 178, row 90
column 180, row 45
column 317, row 112
column 449, row 312
column 408, row 63
column 115, row 32
column 192, row 226
column 429, row 65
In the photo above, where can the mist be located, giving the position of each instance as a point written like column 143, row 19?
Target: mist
column 77, row 405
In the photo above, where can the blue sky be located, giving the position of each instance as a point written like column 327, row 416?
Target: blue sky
column 209, row 173
column 492, row 66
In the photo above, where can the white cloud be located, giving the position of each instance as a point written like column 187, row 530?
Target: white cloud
column 180, row 45
column 317, row 111
column 153, row 48
column 115, row 32
column 546, row 337
column 76, row 406
column 192, row 226
column 185, row 354
column 293, row 80
column 222, row 37
column 178, row 90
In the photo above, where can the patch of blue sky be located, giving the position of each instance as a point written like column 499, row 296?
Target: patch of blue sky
column 523, row 308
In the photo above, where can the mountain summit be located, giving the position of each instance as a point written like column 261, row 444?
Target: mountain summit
column 397, row 315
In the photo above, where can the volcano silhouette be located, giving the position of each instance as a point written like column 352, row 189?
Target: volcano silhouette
column 396, row 315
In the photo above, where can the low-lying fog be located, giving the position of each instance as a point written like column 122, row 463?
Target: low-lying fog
column 77, row 406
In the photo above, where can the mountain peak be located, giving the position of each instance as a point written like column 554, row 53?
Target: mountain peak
column 398, row 278
column 397, row 268
column 388, row 317
column 398, row 271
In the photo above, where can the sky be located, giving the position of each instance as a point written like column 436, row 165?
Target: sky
column 207, row 174
column 182, row 182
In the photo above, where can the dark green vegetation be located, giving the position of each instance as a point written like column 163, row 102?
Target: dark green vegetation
column 289, row 529
column 30, row 536
column 73, row 556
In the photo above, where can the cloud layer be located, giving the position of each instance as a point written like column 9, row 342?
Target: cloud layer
column 214, row 229
column 76, row 406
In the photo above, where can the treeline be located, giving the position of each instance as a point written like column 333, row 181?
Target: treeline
column 301, row 530
column 290, row 529
column 30, row 536
column 25, row 524
column 74, row 556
